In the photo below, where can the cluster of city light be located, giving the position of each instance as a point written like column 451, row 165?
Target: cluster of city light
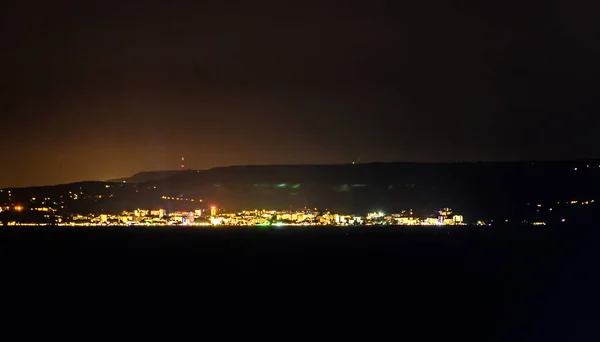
column 277, row 218
column 586, row 202
column 582, row 202
column 212, row 216
column 180, row 199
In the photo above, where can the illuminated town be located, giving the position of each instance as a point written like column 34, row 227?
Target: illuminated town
column 48, row 212
column 230, row 197
column 215, row 217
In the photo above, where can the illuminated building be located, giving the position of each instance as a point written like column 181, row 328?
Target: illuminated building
column 198, row 212
column 458, row 218
column 218, row 221
column 408, row 221
column 433, row 220
column 445, row 212
column 213, row 211
column 372, row 216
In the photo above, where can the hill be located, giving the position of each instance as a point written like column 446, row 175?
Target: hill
column 503, row 190
column 146, row 176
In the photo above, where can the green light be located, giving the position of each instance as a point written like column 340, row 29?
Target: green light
column 295, row 186
column 282, row 185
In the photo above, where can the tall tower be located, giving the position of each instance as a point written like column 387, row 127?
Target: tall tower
column 182, row 163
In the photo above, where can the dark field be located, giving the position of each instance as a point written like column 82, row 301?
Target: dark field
column 496, row 283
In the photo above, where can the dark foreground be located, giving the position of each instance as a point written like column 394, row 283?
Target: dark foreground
column 494, row 283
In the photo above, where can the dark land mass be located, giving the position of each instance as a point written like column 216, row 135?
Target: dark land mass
column 499, row 191
column 493, row 284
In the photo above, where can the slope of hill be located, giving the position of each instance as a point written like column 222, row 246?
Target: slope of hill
column 497, row 190
column 145, row 176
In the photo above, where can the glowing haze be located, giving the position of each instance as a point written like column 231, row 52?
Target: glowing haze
column 99, row 90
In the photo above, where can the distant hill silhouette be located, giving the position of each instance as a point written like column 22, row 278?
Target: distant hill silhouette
column 496, row 190
column 145, row 176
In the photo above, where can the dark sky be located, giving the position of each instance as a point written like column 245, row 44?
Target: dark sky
column 100, row 89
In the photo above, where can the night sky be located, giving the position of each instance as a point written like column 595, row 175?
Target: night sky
column 97, row 89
